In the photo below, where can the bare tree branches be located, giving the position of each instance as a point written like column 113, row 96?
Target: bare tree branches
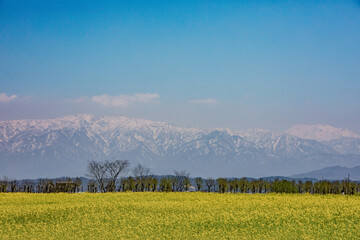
column 4, row 184
column 97, row 171
column 209, row 183
column 106, row 173
column 114, row 168
column 140, row 173
column 181, row 180
column 199, row 183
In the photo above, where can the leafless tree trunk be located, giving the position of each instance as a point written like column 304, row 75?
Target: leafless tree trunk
column 4, row 184
column 140, row 173
column 209, row 183
column 114, row 169
column 181, row 179
column 97, row 171
column 106, row 173
column 199, row 183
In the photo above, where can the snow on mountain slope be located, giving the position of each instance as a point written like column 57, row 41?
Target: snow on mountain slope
column 62, row 146
column 284, row 144
column 320, row 132
column 345, row 145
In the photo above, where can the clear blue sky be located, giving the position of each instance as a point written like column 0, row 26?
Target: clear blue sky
column 236, row 64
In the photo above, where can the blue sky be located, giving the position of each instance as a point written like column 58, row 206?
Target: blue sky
column 236, row 64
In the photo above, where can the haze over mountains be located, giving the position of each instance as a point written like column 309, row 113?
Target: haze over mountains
column 320, row 132
column 62, row 147
column 333, row 173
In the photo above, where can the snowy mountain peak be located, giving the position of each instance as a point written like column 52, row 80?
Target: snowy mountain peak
column 320, row 132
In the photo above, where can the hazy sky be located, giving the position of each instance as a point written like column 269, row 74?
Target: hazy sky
column 235, row 64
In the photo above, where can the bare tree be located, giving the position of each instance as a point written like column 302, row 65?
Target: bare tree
column 187, row 184
column 199, row 183
column 13, row 186
column 97, row 171
column 92, row 186
column 140, row 173
column 154, row 183
column 28, row 186
column 223, row 184
column 173, row 181
column 165, row 185
column 113, row 170
column 181, row 179
column 106, row 173
column 209, row 183
column 78, row 183
column 4, row 184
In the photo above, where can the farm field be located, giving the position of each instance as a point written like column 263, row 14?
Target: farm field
column 178, row 216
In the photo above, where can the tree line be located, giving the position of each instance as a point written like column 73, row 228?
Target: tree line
column 69, row 185
column 108, row 176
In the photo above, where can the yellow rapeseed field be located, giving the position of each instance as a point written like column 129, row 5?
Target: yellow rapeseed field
column 178, row 216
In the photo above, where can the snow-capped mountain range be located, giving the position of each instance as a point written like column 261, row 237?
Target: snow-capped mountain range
column 320, row 132
column 62, row 147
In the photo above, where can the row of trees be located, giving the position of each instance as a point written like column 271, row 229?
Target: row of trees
column 108, row 177
column 287, row 186
column 42, row 185
column 179, row 182
column 141, row 180
column 243, row 185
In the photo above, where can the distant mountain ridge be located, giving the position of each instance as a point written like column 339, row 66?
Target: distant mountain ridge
column 345, row 145
column 332, row 173
column 62, row 146
column 320, row 132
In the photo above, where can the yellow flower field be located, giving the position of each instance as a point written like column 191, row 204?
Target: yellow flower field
column 178, row 216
